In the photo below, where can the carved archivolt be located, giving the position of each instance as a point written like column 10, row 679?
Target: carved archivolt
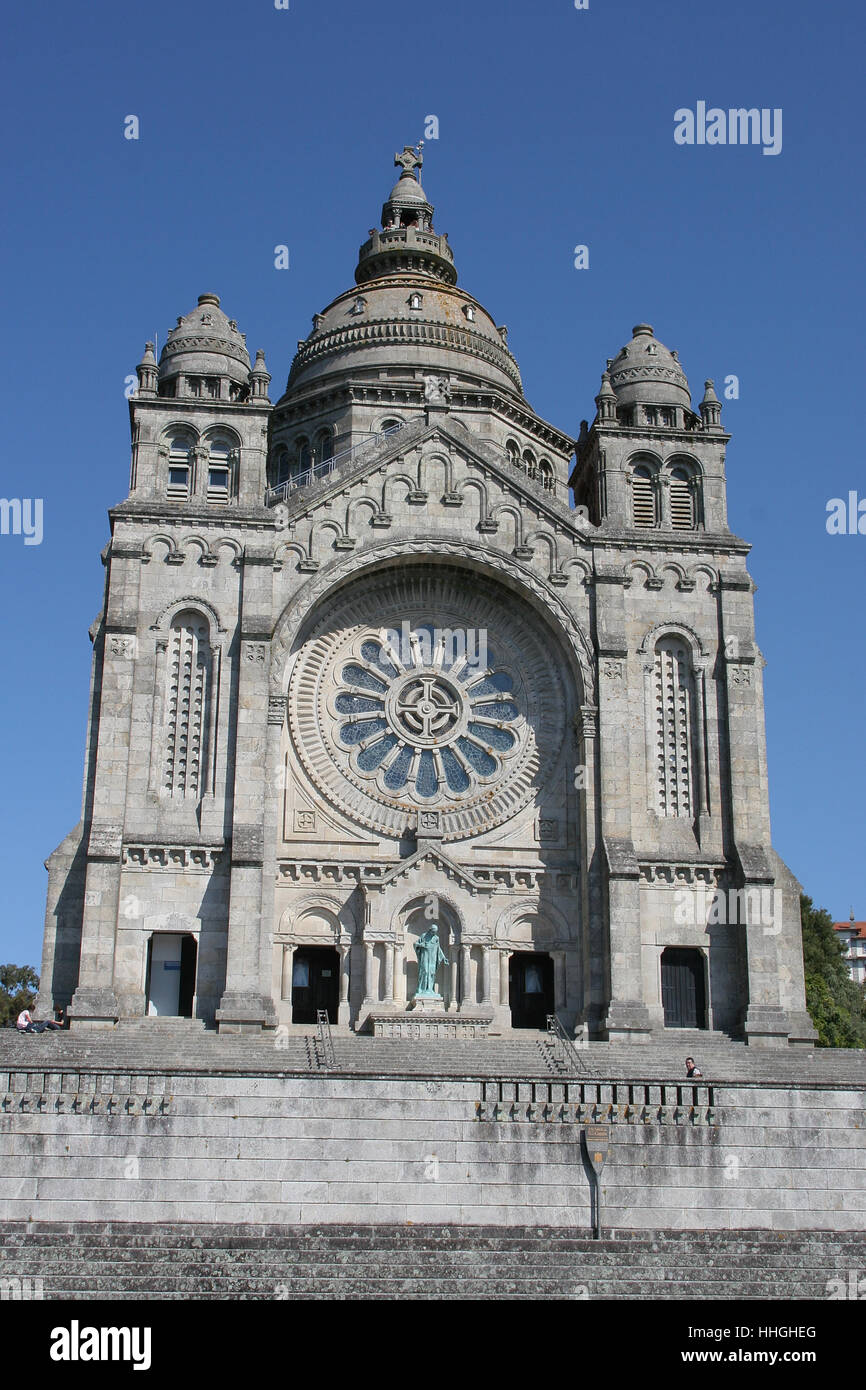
column 517, row 576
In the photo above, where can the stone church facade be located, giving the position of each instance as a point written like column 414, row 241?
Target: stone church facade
column 363, row 664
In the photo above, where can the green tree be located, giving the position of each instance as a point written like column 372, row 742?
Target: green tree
column 837, row 1006
column 18, row 986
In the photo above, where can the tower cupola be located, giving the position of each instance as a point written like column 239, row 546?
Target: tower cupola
column 205, row 356
column 407, row 241
column 645, row 372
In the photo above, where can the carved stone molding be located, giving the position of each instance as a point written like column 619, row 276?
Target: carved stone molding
column 196, row 858
column 673, row 875
column 276, row 710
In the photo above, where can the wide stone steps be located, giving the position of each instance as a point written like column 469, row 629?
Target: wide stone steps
column 531, row 1056
column 116, row 1261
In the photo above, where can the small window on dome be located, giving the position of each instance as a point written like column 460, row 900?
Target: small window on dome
column 469, row 312
column 359, row 305
column 415, row 301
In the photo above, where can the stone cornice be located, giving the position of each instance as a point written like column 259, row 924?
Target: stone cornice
column 381, row 333
column 192, row 405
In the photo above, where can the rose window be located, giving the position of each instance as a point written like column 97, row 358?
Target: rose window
column 469, row 716
column 422, row 722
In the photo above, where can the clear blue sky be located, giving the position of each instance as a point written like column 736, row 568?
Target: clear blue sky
column 261, row 127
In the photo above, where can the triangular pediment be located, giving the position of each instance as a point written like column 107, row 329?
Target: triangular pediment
column 483, row 457
column 442, row 861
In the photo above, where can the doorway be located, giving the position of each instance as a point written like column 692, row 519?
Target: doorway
column 315, row 983
column 530, row 989
column 171, row 968
column 683, row 990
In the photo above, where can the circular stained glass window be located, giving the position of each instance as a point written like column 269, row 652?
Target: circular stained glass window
column 468, row 716
column 426, row 715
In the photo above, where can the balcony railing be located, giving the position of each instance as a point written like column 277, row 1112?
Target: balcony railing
column 281, row 491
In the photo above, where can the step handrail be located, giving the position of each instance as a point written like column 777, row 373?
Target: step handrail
column 325, row 1050
column 561, row 1042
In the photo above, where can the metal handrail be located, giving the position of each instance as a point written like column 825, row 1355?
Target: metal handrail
column 325, row 1041
column 280, row 492
column 561, row 1040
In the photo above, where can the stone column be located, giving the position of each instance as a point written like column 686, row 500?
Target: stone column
column 389, row 974
column 396, row 962
column 590, row 884
column 288, row 962
column 499, row 988
column 465, row 978
column 627, row 1017
column 115, row 739
column 772, row 955
column 368, row 972
column 487, row 976
column 453, row 1000
column 246, row 1005
column 559, row 992
column 345, row 949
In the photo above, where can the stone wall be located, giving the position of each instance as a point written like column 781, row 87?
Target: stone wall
column 166, row 1146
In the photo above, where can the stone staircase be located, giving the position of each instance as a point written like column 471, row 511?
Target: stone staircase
column 104, row 1260
column 185, row 1045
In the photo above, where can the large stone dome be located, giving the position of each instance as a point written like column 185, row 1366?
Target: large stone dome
column 406, row 312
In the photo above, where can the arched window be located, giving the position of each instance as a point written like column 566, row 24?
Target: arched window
column 179, row 472
column 302, row 457
column 545, row 474
column 674, row 727
column 643, row 497
column 219, row 470
column 513, row 452
column 324, row 446
column 187, row 701
column 392, row 423
column 682, row 500
column 529, row 463
column 280, row 465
